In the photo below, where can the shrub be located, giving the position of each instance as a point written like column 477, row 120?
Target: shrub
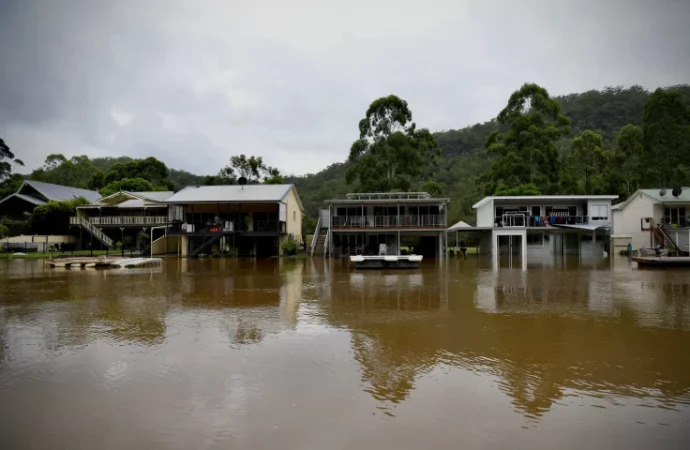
column 289, row 247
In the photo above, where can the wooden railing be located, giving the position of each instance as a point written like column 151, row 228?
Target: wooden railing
column 128, row 220
column 97, row 233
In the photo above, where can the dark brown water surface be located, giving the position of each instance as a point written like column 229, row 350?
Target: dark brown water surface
column 302, row 354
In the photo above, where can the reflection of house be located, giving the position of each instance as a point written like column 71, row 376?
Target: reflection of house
column 251, row 219
column 362, row 223
column 35, row 193
column 639, row 215
column 558, row 224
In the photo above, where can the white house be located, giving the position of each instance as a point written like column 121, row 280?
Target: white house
column 645, row 209
column 543, row 224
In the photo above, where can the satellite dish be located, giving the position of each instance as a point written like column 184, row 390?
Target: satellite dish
column 662, row 192
column 677, row 191
column 242, row 181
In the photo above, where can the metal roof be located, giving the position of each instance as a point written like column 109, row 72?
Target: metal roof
column 154, row 196
column 58, row 193
column 26, row 198
column 485, row 200
column 232, row 193
column 684, row 197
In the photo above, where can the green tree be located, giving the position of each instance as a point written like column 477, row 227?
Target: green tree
column 524, row 189
column 666, row 135
column 57, row 169
column 629, row 154
column 53, row 217
column 526, row 153
column 97, row 181
column 7, row 158
column 432, row 188
column 127, row 184
column 390, row 151
column 252, row 168
column 587, row 158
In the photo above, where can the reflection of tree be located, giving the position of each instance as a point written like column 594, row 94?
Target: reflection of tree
column 542, row 342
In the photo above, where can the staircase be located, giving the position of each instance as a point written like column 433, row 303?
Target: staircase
column 199, row 244
column 91, row 228
column 319, row 242
column 669, row 243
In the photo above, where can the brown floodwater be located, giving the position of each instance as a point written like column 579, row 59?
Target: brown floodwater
column 302, row 354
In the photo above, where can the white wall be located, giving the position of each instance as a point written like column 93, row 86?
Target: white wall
column 592, row 204
column 626, row 221
column 485, row 214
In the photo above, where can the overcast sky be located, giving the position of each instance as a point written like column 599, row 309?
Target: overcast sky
column 195, row 82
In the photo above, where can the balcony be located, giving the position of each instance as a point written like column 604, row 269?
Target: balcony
column 522, row 220
column 124, row 220
column 403, row 221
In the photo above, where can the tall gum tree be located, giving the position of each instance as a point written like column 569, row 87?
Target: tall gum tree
column 526, row 152
column 390, row 152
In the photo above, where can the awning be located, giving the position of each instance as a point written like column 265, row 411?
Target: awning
column 459, row 226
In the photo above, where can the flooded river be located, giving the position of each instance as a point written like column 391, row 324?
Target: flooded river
column 302, row 354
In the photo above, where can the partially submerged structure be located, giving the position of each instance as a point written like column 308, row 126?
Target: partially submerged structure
column 251, row 220
column 543, row 224
column 382, row 223
column 652, row 217
column 111, row 217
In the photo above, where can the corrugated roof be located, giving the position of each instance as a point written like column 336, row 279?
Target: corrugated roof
column 60, row 193
column 133, row 203
column 232, row 193
column 459, row 226
column 154, row 196
column 27, row 198
column 684, row 197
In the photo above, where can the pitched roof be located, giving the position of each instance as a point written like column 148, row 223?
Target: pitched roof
column 232, row 193
column 684, row 197
column 33, row 200
column 459, row 226
column 58, row 193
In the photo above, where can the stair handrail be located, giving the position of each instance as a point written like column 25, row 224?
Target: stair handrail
column 666, row 237
column 95, row 231
column 315, row 237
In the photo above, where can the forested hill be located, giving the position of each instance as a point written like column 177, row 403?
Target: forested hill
column 463, row 159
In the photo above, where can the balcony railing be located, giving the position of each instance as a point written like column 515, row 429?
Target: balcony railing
column 412, row 221
column 522, row 220
column 129, row 220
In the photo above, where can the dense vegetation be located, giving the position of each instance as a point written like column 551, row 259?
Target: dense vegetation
column 614, row 140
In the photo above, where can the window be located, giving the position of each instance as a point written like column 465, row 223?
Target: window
column 294, row 216
column 599, row 212
column 675, row 216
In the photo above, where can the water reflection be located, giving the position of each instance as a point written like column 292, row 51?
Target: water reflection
column 547, row 334
column 244, row 340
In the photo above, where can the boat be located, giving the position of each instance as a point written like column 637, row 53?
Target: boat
column 386, row 261
column 662, row 261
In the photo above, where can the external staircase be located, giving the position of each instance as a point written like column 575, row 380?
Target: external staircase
column 93, row 229
column 319, row 243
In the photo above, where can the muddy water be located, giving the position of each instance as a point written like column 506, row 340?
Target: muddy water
column 310, row 355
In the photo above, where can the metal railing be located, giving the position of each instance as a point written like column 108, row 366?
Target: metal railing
column 427, row 220
column 97, row 233
column 129, row 220
column 521, row 220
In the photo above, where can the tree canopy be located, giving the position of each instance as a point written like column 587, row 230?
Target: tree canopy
column 526, row 152
column 390, row 151
column 252, row 168
column 7, row 158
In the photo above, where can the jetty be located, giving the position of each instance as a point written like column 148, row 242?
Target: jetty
column 103, row 263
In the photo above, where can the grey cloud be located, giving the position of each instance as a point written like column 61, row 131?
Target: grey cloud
column 201, row 82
